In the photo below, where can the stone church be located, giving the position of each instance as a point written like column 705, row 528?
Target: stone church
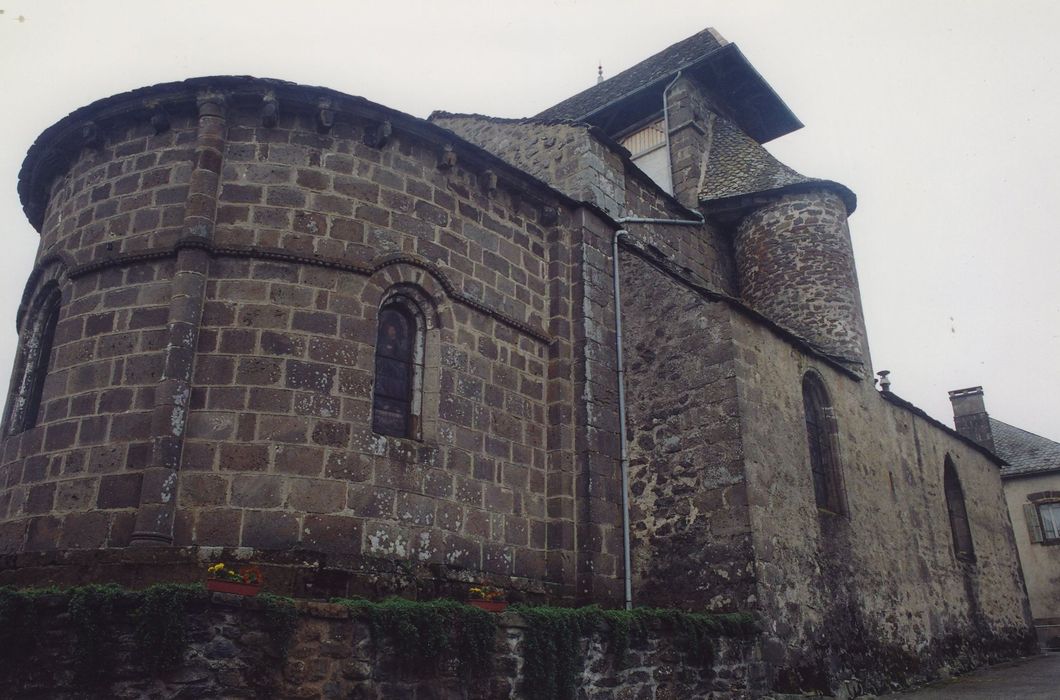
column 613, row 353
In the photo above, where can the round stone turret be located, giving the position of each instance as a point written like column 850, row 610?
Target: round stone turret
column 795, row 264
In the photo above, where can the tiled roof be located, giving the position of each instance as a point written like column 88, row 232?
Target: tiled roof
column 661, row 65
column 738, row 166
column 1025, row 452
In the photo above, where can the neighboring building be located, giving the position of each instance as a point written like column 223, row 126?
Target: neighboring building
column 378, row 354
column 1031, row 479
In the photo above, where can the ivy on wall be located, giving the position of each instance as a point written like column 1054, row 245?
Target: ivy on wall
column 421, row 635
column 552, row 650
column 158, row 614
column 422, row 632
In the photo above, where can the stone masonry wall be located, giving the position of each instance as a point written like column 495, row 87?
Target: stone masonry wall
column 875, row 593
column 795, row 264
column 232, row 654
column 691, row 538
column 574, row 159
column 271, row 248
column 74, row 480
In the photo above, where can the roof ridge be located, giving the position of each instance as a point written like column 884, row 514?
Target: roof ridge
column 1024, row 431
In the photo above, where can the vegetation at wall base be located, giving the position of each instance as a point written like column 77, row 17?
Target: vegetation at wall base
column 552, row 653
column 420, row 634
column 92, row 610
column 425, row 631
column 161, row 624
column 19, row 628
column 281, row 619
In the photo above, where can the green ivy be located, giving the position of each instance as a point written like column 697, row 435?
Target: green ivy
column 92, row 611
column 161, row 625
column 281, row 619
column 19, row 628
column 424, row 631
column 552, row 654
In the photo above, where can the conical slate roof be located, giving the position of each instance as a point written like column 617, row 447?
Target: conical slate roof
column 738, row 166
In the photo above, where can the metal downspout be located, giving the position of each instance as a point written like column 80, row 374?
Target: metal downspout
column 666, row 129
column 623, row 440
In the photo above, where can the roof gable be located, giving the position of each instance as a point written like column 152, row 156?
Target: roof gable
column 755, row 106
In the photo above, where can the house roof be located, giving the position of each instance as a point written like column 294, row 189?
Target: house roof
column 661, row 65
column 755, row 105
column 1025, row 452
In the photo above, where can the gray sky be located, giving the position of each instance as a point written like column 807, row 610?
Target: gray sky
column 940, row 115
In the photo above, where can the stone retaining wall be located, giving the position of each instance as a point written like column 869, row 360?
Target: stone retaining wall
column 231, row 654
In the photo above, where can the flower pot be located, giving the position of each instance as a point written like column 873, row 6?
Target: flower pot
column 494, row 606
column 234, row 587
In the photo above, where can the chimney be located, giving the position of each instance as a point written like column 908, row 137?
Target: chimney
column 970, row 417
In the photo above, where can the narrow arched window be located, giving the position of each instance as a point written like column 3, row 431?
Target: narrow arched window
column 958, row 514
column 397, row 395
column 31, row 367
column 820, row 436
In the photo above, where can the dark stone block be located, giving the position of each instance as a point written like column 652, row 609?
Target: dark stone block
column 269, row 530
column 119, row 491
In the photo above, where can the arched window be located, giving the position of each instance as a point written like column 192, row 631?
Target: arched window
column 397, row 397
column 962, row 533
column 31, row 366
column 820, row 434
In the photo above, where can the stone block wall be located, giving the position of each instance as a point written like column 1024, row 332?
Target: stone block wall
column 795, row 264
column 212, row 371
column 691, row 535
column 876, row 592
column 582, row 162
column 231, row 653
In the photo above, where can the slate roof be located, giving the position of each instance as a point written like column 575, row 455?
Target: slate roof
column 738, row 166
column 1025, row 452
column 661, row 65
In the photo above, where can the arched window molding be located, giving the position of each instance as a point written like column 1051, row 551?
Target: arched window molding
column 32, row 362
column 821, row 441
column 963, row 547
column 404, row 393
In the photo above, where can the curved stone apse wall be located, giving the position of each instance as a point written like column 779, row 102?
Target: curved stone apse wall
column 222, row 248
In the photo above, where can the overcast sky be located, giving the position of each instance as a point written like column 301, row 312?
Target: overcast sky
column 941, row 116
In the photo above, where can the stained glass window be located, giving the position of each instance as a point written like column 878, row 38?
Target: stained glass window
column 395, row 360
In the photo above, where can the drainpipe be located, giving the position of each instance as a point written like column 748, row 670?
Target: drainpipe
column 623, row 438
column 666, row 129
